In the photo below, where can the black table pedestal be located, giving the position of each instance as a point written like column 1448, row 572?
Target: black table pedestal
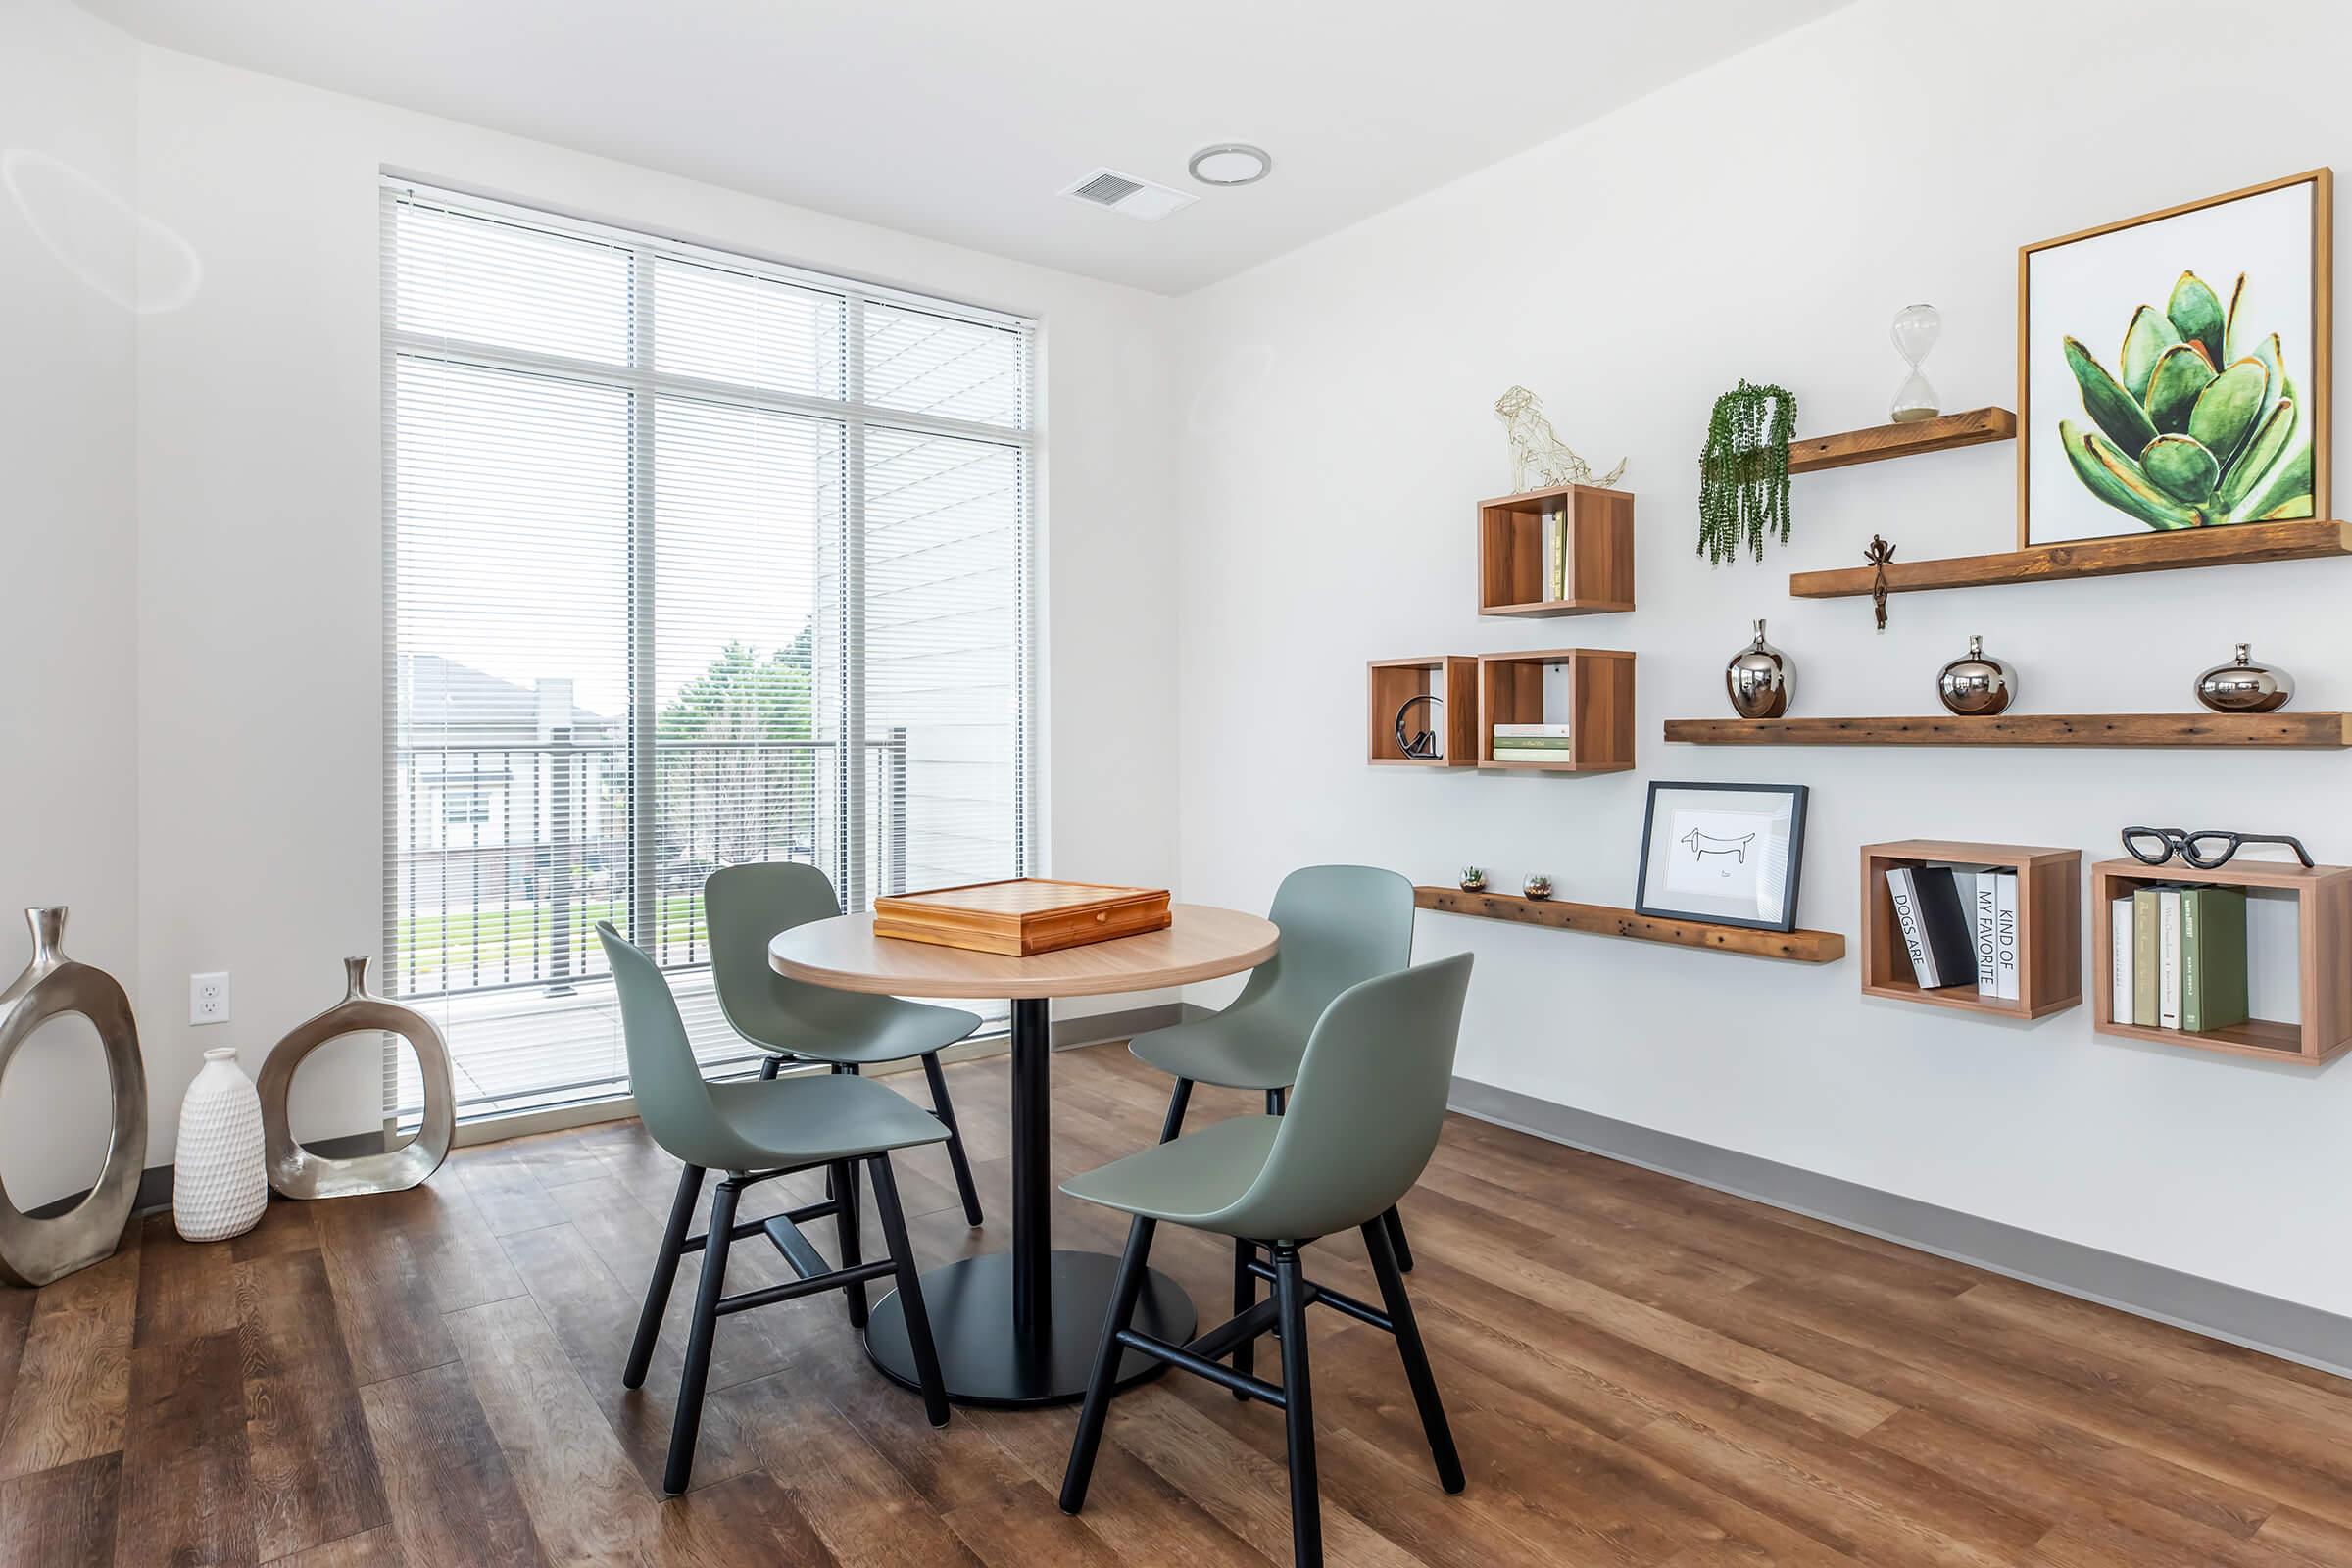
column 1021, row 1328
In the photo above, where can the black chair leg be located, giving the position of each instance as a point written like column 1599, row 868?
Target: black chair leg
column 1275, row 1100
column 957, row 1159
column 846, row 1227
column 910, row 1292
column 1177, row 1099
column 1125, row 1290
column 1298, row 1411
column 688, row 1423
column 1244, row 1296
column 665, row 1270
column 770, row 1067
column 1394, row 1223
column 1399, row 1309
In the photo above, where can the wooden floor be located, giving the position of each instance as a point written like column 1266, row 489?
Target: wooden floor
column 1640, row 1371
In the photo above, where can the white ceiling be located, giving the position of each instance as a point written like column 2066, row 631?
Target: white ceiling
column 961, row 121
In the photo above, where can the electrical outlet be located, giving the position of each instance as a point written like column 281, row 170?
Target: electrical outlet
column 207, row 997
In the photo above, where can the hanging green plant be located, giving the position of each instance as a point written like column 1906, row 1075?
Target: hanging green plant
column 1743, row 470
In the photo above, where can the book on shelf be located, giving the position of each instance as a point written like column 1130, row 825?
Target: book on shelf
column 1534, row 753
column 2004, row 935
column 1908, row 926
column 1537, row 743
column 1531, row 731
column 1556, row 553
column 2122, row 981
column 2147, row 985
column 1984, row 894
column 2168, row 957
column 2213, row 957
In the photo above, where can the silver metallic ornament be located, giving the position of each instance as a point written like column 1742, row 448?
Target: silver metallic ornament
column 1761, row 680
column 2243, row 686
column 1977, row 687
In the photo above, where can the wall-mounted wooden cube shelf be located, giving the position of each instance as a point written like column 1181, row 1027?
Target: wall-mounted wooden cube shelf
column 1452, row 677
column 2174, row 550
column 2050, row 926
column 1879, row 442
column 2323, row 898
column 1597, row 705
column 1795, row 947
column 2307, row 731
column 1599, row 541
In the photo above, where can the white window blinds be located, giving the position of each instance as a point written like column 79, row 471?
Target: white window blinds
column 691, row 561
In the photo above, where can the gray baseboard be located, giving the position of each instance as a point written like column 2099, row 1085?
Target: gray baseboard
column 1070, row 1033
column 2259, row 1322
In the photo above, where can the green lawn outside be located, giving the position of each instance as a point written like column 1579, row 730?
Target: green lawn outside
column 523, row 938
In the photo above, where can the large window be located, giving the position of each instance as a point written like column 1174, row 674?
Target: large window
column 691, row 561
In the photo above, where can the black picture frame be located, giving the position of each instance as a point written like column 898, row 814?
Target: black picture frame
column 1796, row 795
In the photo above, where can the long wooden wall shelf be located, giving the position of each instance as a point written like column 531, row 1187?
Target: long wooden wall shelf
column 1796, row 947
column 2286, row 730
column 2179, row 549
column 1879, row 442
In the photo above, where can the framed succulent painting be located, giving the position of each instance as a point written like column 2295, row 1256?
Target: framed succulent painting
column 2172, row 368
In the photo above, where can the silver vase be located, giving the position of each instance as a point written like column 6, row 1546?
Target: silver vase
column 34, row 1252
column 294, row 1170
column 2243, row 686
column 1761, row 680
column 1974, row 686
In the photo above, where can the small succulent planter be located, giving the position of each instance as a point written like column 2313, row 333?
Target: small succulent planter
column 1537, row 886
column 1474, row 879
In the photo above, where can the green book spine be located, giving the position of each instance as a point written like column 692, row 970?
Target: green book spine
column 2222, row 955
column 2145, row 983
column 2193, row 1005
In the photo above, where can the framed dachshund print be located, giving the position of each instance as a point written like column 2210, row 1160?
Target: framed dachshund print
column 2172, row 368
column 1725, row 853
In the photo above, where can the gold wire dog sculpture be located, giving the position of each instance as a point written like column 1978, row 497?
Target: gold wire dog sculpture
column 1536, row 450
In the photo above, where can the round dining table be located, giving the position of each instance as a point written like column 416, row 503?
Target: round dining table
column 1020, row 1326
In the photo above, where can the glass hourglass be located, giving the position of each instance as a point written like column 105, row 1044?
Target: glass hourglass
column 1915, row 331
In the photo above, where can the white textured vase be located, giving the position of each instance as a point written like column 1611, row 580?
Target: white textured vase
column 217, row 1186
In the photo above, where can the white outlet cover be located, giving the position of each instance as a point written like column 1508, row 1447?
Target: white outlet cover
column 207, row 997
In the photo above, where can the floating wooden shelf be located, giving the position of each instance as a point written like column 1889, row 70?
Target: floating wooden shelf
column 2287, row 730
column 1393, row 682
column 1599, row 705
column 2323, row 958
column 2176, row 550
column 1797, row 946
column 2050, row 926
column 1880, row 442
column 1600, row 551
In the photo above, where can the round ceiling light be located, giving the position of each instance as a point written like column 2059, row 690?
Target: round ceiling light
column 1231, row 162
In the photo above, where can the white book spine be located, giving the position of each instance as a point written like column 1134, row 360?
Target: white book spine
column 2119, row 987
column 1983, row 892
column 2168, row 968
column 2005, row 933
column 1906, row 919
column 1554, row 573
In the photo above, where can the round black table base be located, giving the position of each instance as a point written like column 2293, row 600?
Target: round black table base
column 981, row 1356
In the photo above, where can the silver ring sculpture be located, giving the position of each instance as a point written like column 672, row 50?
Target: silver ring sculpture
column 294, row 1170
column 35, row 1251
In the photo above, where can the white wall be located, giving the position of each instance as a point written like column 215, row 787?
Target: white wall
column 261, row 533
column 68, row 747
column 1767, row 219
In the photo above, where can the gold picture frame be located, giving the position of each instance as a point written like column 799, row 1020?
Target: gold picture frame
column 2108, row 475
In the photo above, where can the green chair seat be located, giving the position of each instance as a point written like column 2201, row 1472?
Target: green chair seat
column 864, row 1031
column 1237, row 1048
column 818, row 1118
column 1191, row 1181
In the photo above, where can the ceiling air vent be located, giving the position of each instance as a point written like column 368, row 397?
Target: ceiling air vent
column 1124, row 193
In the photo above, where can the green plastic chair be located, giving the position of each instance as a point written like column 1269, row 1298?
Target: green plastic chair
column 1340, row 924
column 1362, row 1123
column 746, row 906
column 754, row 1131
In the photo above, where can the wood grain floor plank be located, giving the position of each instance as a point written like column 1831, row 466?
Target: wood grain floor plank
column 73, row 1377
column 186, row 1288
column 185, row 1488
column 374, row 1548
column 1021, row 1528
column 741, row 1521
column 15, row 1322
column 285, row 1227
column 453, row 1499
column 585, row 1498
column 391, row 1318
column 510, row 1196
column 62, row 1517
column 453, row 1246
column 311, row 1465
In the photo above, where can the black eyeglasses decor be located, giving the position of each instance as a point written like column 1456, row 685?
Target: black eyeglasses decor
column 2205, row 849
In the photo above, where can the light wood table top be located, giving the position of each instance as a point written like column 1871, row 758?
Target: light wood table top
column 1203, row 943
